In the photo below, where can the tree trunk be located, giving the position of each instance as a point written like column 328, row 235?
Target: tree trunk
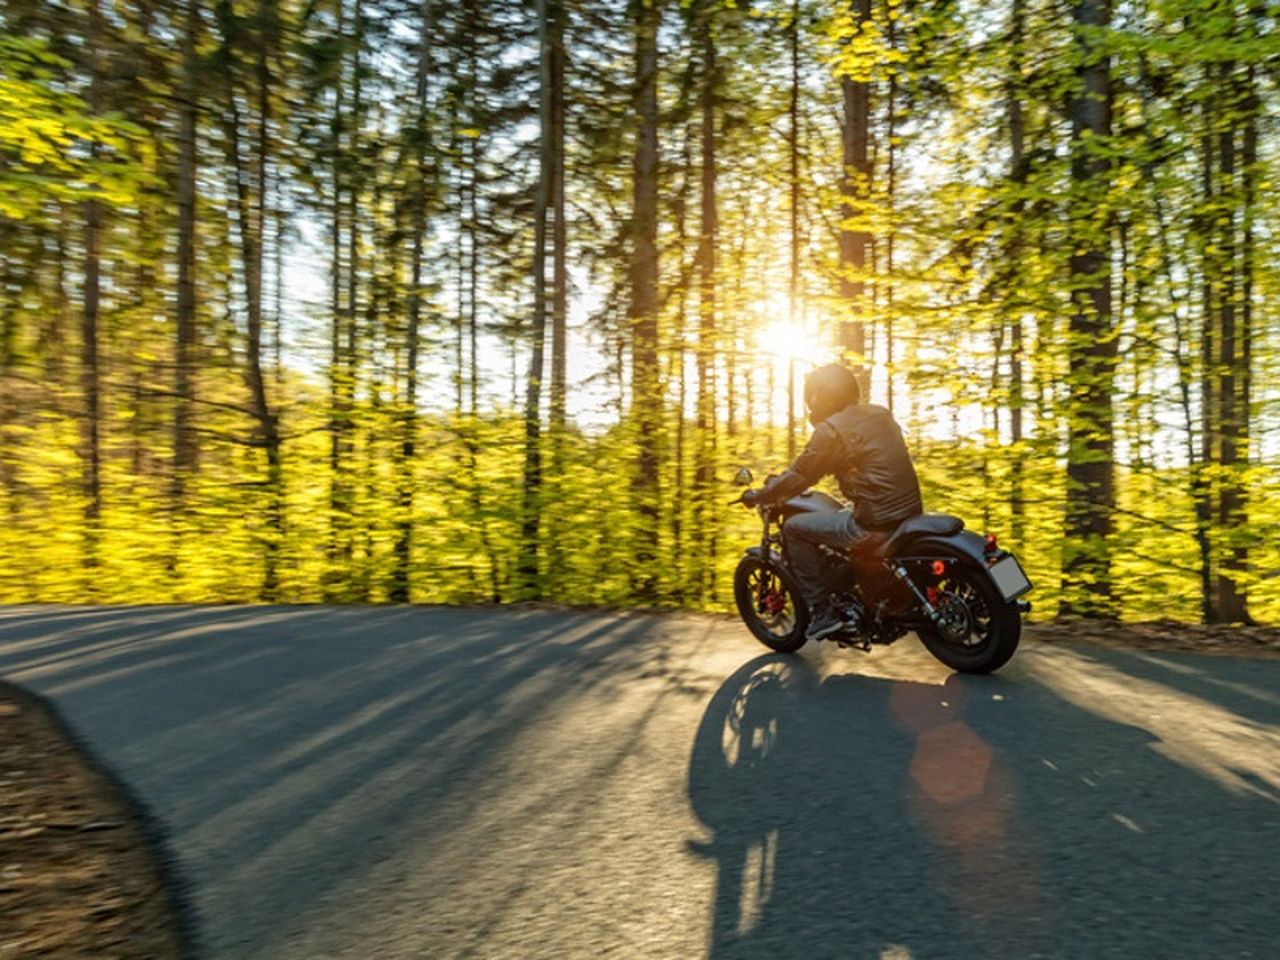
column 473, row 281
column 559, row 286
column 472, row 319
column 704, row 474
column 401, row 580
column 460, row 275
column 1238, row 558
column 679, row 498
column 643, row 310
column 793, row 158
column 279, row 234
column 1197, row 483
column 855, row 182
column 1018, row 176
column 340, row 413
column 1203, row 478
column 184, row 452
column 60, row 321
column 1232, row 419
column 1091, row 346
column 529, row 576
column 559, row 238
column 891, row 185
column 350, row 349
column 91, row 425
column 249, row 176
column 268, row 424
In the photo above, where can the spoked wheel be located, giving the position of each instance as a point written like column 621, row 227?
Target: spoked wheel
column 770, row 604
column 978, row 631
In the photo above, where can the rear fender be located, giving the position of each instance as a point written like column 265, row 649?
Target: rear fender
column 915, row 555
column 965, row 544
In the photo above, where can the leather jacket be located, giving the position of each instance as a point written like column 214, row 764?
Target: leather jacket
column 862, row 447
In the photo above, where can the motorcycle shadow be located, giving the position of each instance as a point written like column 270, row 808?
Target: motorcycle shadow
column 853, row 816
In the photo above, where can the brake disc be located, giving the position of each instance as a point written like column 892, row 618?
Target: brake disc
column 955, row 620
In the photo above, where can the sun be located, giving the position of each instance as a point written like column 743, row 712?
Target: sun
column 787, row 341
column 788, row 338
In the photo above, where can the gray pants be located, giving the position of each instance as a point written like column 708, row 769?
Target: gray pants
column 803, row 534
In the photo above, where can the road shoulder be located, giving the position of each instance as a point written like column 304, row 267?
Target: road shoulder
column 81, row 873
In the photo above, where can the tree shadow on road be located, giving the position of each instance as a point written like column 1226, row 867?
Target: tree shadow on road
column 855, row 816
column 290, row 750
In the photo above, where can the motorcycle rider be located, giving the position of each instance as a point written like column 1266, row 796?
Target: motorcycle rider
column 862, row 446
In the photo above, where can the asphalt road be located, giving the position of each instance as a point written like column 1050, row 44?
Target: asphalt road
column 423, row 782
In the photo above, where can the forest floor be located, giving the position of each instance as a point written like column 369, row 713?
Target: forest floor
column 1223, row 639
column 77, row 875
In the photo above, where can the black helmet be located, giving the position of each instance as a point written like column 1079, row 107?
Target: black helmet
column 828, row 390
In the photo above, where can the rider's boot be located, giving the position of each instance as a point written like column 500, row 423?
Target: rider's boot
column 825, row 621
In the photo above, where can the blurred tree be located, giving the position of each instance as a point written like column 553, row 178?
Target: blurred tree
column 401, row 300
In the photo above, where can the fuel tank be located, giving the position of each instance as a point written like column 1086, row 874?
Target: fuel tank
column 811, row 501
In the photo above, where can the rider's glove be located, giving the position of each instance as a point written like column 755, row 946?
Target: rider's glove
column 751, row 497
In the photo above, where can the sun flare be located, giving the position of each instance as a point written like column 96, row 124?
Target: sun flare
column 790, row 338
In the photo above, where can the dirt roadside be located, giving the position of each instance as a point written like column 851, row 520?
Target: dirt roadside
column 1155, row 635
column 78, row 877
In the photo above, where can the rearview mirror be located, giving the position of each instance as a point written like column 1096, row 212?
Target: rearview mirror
column 742, row 477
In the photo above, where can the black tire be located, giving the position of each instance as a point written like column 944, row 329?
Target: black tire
column 756, row 585
column 986, row 640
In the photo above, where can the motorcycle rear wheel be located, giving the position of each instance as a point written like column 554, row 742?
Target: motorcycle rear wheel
column 982, row 630
column 770, row 604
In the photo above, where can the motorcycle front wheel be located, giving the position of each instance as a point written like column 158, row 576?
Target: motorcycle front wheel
column 770, row 604
column 978, row 630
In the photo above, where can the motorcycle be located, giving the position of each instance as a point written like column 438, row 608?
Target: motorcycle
column 957, row 591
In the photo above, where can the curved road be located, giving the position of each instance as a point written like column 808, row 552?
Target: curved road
column 527, row 783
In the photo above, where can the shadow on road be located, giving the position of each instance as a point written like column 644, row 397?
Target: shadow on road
column 290, row 750
column 859, row 817
column 510, row 782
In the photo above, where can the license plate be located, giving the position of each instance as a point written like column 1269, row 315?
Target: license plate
column 1008, row 577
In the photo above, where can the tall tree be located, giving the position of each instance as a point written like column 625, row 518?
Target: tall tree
column 543, row 209
column 1015, row 304
column 1091, row 342
column 420, row 167
column 247, row 123
column 90, row 380
column 554, row 132
column 1234, row 294
column 704, row 474
column 646, row 399
column 341, row 386
column 793, row 176
column 855, row 185
column 184, row 444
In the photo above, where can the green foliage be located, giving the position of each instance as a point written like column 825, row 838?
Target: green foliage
column 389, row 131
column 52, row 147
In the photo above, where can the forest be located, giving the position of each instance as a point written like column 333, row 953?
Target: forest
column 483, row 301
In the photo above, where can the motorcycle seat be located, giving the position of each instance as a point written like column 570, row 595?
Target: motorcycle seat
column 926, row 524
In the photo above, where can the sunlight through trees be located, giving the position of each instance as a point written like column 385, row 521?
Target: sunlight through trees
column 404, row 300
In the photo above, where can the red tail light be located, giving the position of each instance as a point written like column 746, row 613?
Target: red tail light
column 992, row 546
column 939, row 568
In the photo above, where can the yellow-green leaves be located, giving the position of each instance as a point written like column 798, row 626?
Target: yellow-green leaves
column 52, row 147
